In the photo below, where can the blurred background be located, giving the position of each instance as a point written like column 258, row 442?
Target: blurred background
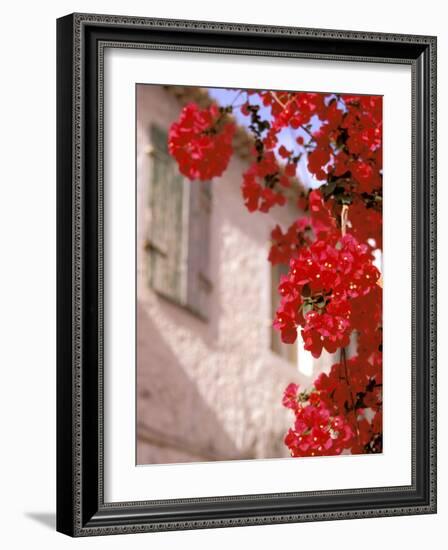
column 211, row 370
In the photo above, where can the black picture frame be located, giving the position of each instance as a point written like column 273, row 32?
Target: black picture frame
column 81, row 510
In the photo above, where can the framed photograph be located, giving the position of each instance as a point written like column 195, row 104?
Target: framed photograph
column 246, row 274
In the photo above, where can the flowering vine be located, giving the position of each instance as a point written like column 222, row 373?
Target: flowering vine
column 331, row 296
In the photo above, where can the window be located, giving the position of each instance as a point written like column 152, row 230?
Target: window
column 178, row 232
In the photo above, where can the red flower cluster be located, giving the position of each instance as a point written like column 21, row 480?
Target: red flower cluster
column 287, row 245
column 361, row 387
column 201, row 142
column 329, row 329
column 349, row 142
column 366, row 223
column 260, row 182
column 366, row 318
column 319, row 289
column 322, row 221
column 332, row 288
column 342, row 411
column 292, row 109
column 316, row 430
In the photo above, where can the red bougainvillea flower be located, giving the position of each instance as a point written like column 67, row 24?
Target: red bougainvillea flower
column 294, row 109
column 260, row 185
column 366, row 317
column 366, row 223
column 287, row 245
column 201, row 142
column 317, row 161
column 369, row 438
column 346, row 141
column 332, row 290
column 290, row 396
column 329, row 330
column 342, row 411
column 319, row 292
column 283, row 152
column 322, row 221
column 316, row 431
column 337, row 388
column 258, row 197
column 366, row 176
column 288, row 317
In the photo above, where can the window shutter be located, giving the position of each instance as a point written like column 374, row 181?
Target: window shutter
column 178, row 232
column 199, row 285
column 165, row 240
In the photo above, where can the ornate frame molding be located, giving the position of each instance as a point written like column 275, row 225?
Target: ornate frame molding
column 81, row 42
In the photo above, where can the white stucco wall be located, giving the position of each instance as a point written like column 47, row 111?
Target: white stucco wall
column 210, row 390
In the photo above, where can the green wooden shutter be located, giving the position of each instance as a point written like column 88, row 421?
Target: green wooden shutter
column 178, row 236
column 166, row 234
column 199, row 285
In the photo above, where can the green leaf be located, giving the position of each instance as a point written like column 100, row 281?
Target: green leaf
column 307, row 307
column 328, row 188
column 346, row 199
